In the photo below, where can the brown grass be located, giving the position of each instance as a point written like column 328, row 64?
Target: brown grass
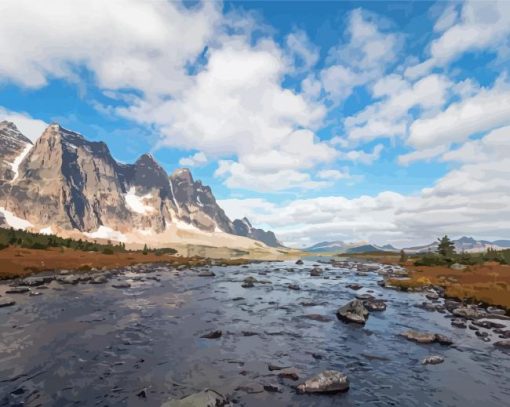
column 17, row 262
column 488, row 283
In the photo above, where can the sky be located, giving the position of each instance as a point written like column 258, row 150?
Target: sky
column 386, row 122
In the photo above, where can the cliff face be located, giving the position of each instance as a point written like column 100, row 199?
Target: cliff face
column 243, row 227
column 68, row 182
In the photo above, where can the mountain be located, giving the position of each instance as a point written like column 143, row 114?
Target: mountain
column 341, row 247
column 464, row 244
column 243, row 227
column 66, row 184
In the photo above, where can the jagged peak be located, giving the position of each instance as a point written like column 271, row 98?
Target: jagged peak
column 183, row 174
column 12, row 130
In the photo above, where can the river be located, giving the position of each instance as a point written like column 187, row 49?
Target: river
column 93, row 344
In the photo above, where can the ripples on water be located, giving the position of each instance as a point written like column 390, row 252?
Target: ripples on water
column 98, row 345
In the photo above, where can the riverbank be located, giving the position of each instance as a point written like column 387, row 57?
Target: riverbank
column 19, row 262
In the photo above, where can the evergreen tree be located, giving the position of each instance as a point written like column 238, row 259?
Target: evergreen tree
column 403, row 256
column 446, row 247
column 145, row 249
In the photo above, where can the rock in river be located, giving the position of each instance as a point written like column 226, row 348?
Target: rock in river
column 432, row 360
column 375, row 305
column 213, row 335
column 353, row 311
column 503, row 344
column 299, row 262
column 18, row 290
column 294, row 287
column 316, row 272
column 354, row 286
column 426, row 337
column 121, row 285
column 467, row 312
column 329, row 381
column 206, row 273
column 206, row 398
column 6, row 302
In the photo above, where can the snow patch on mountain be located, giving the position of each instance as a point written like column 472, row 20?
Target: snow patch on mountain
column 105, row 232
column 19, row 159
column 13, row 221
column 136, row 203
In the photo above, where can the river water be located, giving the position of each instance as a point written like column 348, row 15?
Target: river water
column 98, row 345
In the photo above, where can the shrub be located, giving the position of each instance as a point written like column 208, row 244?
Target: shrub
column 107, row 250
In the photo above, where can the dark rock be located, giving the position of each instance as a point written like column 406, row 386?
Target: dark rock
column 459, row 323
column 503, row 344
column 289, row 373
column 295, row 287
column 488, row 324
column 375, row 305
column 426, row 337
column 272, row 388
column 17, row 290
column 272, row 367
column 354, row 286
column 121, row 285
column 329, row 381
column 299, row 262
column 316, row 272
column 6, row 302
column 353, row 311
column 212, row 335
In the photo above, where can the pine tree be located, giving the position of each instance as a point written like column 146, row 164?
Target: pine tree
column 145, row 249
column 403, row 256
column 446, row 247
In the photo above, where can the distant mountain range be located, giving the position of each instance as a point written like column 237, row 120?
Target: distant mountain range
column 466, row 244
column 342, row 247
column 64, row 184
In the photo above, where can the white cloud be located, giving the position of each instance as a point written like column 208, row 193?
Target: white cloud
column 361, row 60
column 195, row 160
column 390, row 116
column 447, row 18
column 333, row 174
column 483, row 25
column 124, row 43
column 30, row 127
column 488, row 109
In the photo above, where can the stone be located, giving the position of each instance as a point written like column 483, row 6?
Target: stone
column 212, row 335
column 468, row 312
column 6, row 302
column 503, row 344
column 315, row 272
column 375, row 305
column 294, row 287
column 432, row 295
column 206, row 273
column 496, row 311
column 35, row 281
column 289, row 373
column 17, row 290
column 354, row 286
column 272, row 388
column 98, row 280
column 459, row 323
column 432, row 360
column 121, row 285
column 299, row 262
column 68, row 279
column 329, row 381
column 426, row 337
column 205, row 398
column 353, row 311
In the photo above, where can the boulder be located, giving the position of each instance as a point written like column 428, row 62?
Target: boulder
column 432, row 295
column 121, row 284
column 354, row 286
column 432, row 360
column 426, row 337
column 496, row 311
column 35, row 281
column 468, row 312
column 459, row 323
column 289, row 373
column 353, row 311
column 299, row 262
column 205, row 398
column 294, row 287
column 329, row 381
column 98, row 280
column 315, row 272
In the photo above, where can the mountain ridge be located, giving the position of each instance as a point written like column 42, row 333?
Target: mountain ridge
column 66, row 183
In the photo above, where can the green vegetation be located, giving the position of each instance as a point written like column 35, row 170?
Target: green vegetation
column 446, row 256
column 29, row 240
column 403, row 257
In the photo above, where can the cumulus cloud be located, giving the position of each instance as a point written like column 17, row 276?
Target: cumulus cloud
column 482, row 25
column 195, row 160
column 469, row 200
column 30, row 127
column 361, row 60
column 124, row 43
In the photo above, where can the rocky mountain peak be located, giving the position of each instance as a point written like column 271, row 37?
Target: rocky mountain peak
column 8, row 130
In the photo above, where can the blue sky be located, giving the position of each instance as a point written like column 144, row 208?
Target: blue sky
column 321, row 120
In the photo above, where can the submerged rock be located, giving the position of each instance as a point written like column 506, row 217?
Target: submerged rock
column 317, row 317
column 375, row 305
column 354, row 286
column 205, row 398
column 6, row 302
column 206, row 273
column 459, row 323
column 121, row 285
column 315, row 272
column 17, row 290
column 294, row 287
column 299, row 262
column 329, row 381
column 353, row 311
column 212, row 335
column 432, row 360
column 503, row 344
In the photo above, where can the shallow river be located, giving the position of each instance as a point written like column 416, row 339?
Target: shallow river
column 99, row 345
